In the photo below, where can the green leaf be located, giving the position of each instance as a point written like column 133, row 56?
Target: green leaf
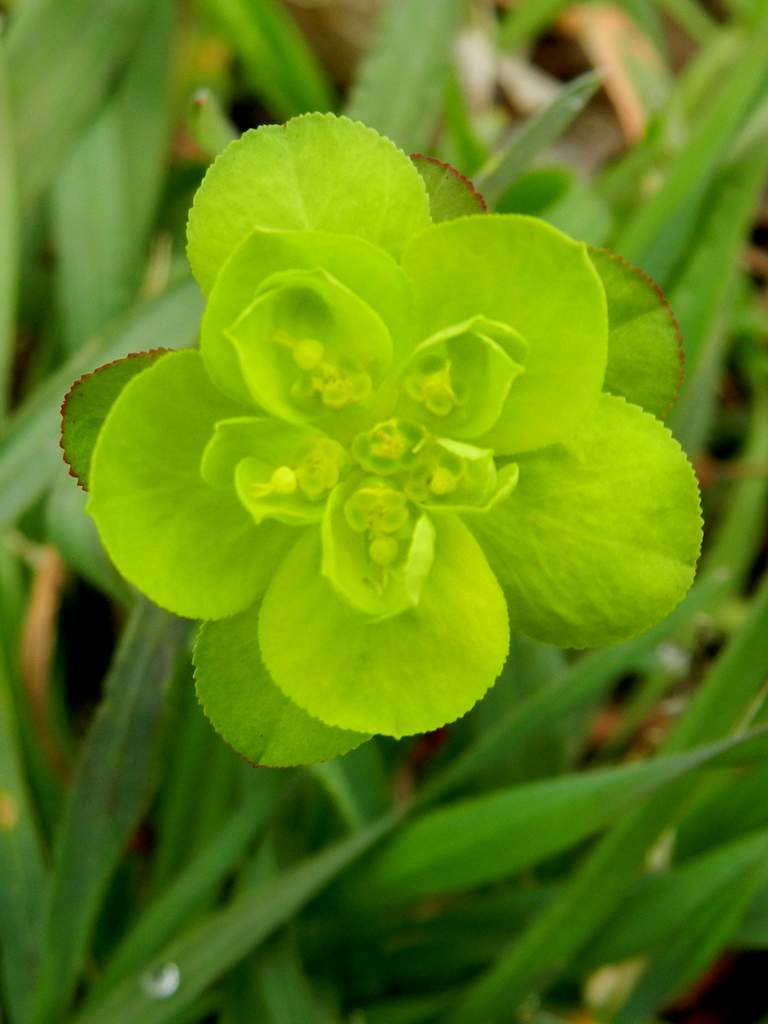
column 208, row 123
column 548, row 291
column 645, row 347
column 708, row 930
column 246, row 708
column 362, row 268
column 86, row 406
column 105, row 195
column 649, row 919
column 457, row 381
column 107, row 798
column 379, row 568
column 407, row 674
column 200, row 879
column 571, row 692
column 601, row 536
column 703, row 294
column 490, row 837
column 310, row 349
column 278, row 63
column 450, row 193
column 21, row 860
column 279, row 471
column 30, row 455
column 535, row 135
column 654, row 236
column 564, row 199
column 63, row 59
column 207, row 951
column 186, row 545
column 317, row 172
column 394, row 71
column 599, row 884
column 9, row 231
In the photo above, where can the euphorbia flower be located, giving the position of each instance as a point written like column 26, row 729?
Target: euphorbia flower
column 392, row 446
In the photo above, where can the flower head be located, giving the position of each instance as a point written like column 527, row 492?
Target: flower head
column 392, row 445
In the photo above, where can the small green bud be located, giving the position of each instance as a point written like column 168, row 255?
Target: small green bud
column 389, row 447
column 383, row 550
column 442, row 481
column 378, row 508
column 308, row 354
column 319, row 470
column 431, row 385
column 283, row 480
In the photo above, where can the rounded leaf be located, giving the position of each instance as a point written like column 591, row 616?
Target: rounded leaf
column 457, row 382
column 87, row 403
column 450, row 193
column 403, row 675
column 364, row 269
column 601, row 536
column 524, row 273
column 248, row 710
column 310, row 349
column 316, row 172
column 645, row 347
column 191, row 548
column 379, row 572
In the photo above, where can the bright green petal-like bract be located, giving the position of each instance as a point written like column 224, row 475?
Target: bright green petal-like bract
column 248, row 710
column 363, row 268
column 403, row 675
column 87, row 405
column 521, row 272
column 317, row 172
column 192, row 549
column 601, row 536
column 375, row 590
column 645, row 359
column 309, row 348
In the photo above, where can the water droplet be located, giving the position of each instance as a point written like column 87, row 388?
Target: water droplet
column 162, row 982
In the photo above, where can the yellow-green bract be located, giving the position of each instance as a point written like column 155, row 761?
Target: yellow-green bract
column 392, row 447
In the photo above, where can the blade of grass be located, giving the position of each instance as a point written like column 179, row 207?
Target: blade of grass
column 206, row 952
column 650, row 917
column 647, row 237
column 278, row 63
column 108, row 795
column 22, row 869
column 410, row 57
column 535, row 135
column 582, row 684
column 692, row 18
column 29, row 450
column 701, row 295
column 600, row 882
column 527, row 19
column 357, row 784
column 191, row 887
column 708, row 930
column 8, row 239
column 490, row 837
column 285, row 989
column 741, row 529
column 210, row 127
column 63, row 58
column 106, row 192
column 202, row 779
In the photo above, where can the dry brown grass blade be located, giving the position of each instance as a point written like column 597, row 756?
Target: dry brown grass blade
column 38, row 644
column 611, row 40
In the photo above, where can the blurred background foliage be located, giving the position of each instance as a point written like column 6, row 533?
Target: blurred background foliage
column 591, row 842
